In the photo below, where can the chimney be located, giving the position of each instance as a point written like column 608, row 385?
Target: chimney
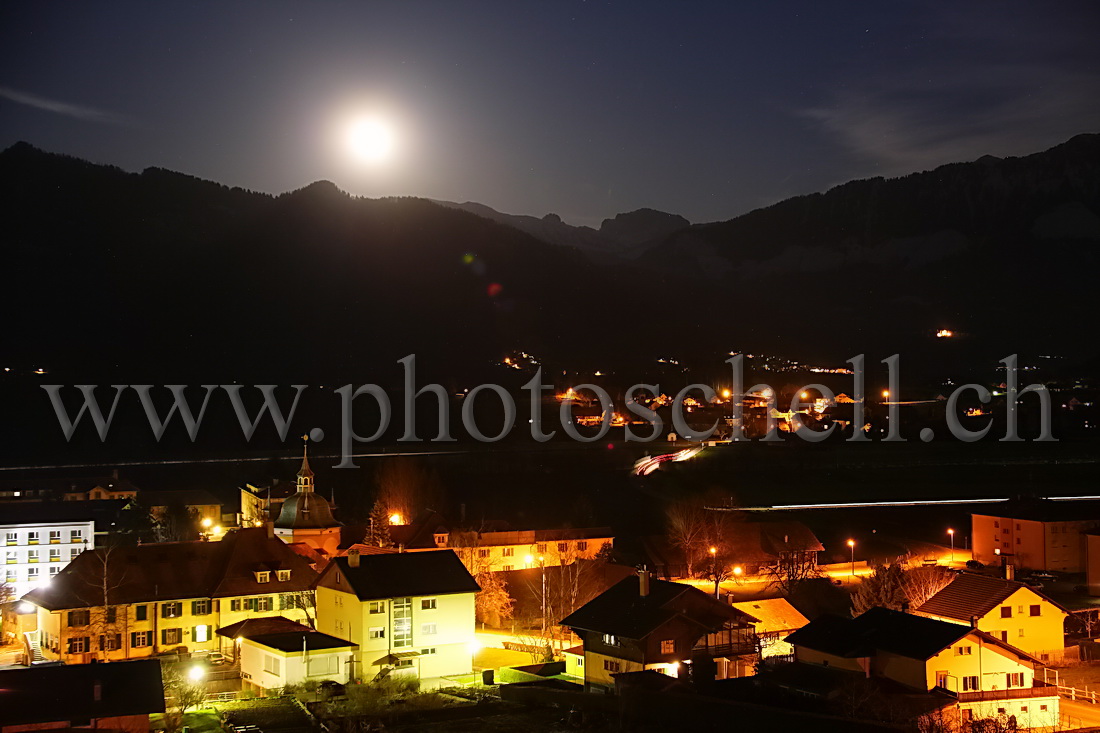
column 1010, row 571
column 270, row 527
column 643, row 582
column 353, row 558
column 973, row 622
column 401, row 547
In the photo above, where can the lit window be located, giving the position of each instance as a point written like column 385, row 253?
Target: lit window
column 171, row 610
column 610, row 640
column 200, row 633
column 668, row 646
column 263, row 576
column 283, row 575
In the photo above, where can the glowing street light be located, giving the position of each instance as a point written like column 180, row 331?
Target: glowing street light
column 852, row 547
column 196, row 673
column 951, row 534
column 207, row 522
column 396, row 519
column 885, row 394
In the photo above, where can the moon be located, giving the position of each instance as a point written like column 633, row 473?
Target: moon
column 371, row 139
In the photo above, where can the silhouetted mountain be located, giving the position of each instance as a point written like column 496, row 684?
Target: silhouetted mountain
column 624, row 237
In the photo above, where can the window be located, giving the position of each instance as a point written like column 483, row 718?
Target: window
column 1036, row 610
column 542, row 547
column 996, row 525
column 962, row 651
column 76, row 535
column 970, row 683
column 428, row 629
column 283, row 575
column 235, row 604
column 426, row 652
column 55, row 536
column 582, row 545
column 32, row 573
column 141, row 612
column 171, row 610
column 610, row 640
column 427, row 604
column 111, row 614
column 271, row 664
column 1004, row 635
column 402, row 622
column 32, row 555
column 141, row 638
column 508, row 551
column 79, row 618
column 1015, row 679
column 78, row 644
column 376, row 632
column 200, row 633
column 1020, row 632
column 110, row 642
column 32, row 538
column 563, row 546
column 610, row 665
column 55, row 554
column 668, row 646
column 200, row 608
column 483, row 552
column 12, row 557
column 12, row 538
column 171, row 636
column 73, row 552
column 10, row 575
column 1043, row 708
column 403, row 663
column 1006, row 611
column 377, row 607
column 941, row 678
column 263, row 576
column 508, row 567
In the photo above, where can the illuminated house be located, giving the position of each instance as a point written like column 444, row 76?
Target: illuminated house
column 275, row 652
column 306, row 516
column 40, row 539
column 642, row 623
column 1010, row 611
column 131, row 602
column 1035, row 534
column 107, row 697
column 410, row 613
column 776, row 618
column 204, row 504
column 498, row 547
column 977, row 675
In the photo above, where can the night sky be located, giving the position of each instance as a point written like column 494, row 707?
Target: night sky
column 584, row 109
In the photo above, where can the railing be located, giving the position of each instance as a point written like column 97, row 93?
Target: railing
column 1010, row 693
column 1073, row 693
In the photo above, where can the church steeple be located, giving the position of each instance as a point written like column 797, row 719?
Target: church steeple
column 305, row 474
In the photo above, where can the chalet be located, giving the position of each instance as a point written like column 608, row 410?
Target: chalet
column 1013, row 612
column 775, row 618
column 111, row 697
column 642, row 623
column 977, row 675
column 410, row 613
column 131, row 602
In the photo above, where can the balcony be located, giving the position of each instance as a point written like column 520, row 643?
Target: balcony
column 1039, row 689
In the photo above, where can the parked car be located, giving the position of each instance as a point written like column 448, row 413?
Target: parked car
column 974, row 565
column 1043, row 575
column 217, row 658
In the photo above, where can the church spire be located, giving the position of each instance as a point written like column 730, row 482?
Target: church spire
column 305, row 474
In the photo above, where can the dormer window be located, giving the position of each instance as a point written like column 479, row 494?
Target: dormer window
column 610, row 640
column 263, row 576
column 282, row 575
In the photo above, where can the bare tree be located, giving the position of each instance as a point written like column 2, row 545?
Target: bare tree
column 406, row 487
column 304, row 601
column 688, row 525
column 492, row 604
column 105, row 619
column 921, row 583
column 787, row 572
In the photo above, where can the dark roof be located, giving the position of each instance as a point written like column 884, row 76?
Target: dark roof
column 306, row 510
column 103, row 512
column 187, row 497
column 1045, row 510
column 177, row 570
column 68, row 693
column 421, row 531
column 251, row 627
column 882, row 629
column 394, row 575
column 292, row 641
column 622, row 611
column 970, row 594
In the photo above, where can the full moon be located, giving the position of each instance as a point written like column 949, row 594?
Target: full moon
column 370, row 139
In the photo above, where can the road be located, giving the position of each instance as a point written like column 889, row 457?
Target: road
column 1082, row 714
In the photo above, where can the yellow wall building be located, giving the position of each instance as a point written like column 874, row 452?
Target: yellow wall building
column 409, row 613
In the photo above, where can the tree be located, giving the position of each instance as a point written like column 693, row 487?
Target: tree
column 378, row 529
column 492, row 604
column 181, row 692
column 105, row 620
column 884, row 587
column 687, row 524
column 306, row 602
column 177, row 523
column 791, row 570
column 406, row 487
column 921, row 583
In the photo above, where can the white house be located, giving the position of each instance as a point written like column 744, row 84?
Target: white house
column 276, row 652
column 35, row 550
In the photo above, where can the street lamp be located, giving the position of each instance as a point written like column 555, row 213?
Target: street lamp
column 852, row 547
column 951, row 534
column 714, row 568
column 196, row 673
